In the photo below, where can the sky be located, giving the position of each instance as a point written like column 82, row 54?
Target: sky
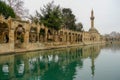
column 106, row 12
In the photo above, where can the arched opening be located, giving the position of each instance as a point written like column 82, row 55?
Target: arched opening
column 50, row 36
column 65, row 36
column 61, row 36
column 78, row 37
column 42, row 35
column 33, row 35
column 19, row 36
column 69, row 37
column 81, row 36
column 4, row 33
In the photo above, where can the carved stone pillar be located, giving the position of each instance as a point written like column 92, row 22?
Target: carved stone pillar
column 64, row 37
column 11, row 36
column 11, row 39
column 38, row 31
column 55, row 36
column 73, row 38
column 77, row 38
column 67, row 37
column 26, row 38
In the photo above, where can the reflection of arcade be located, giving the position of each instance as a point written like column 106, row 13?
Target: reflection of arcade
column 6, row 67
column 56, row 64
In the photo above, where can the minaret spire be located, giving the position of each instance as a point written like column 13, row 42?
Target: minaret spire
column 92, row 18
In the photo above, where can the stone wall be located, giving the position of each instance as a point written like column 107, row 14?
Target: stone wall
column 26, row 36
column 6, row 48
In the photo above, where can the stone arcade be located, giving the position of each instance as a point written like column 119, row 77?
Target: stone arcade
column 17, row 36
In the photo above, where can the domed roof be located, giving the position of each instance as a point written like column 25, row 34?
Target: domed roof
column 93, row 30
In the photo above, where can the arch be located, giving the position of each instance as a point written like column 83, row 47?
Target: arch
column 42, row 35
column 65, row 36
column 19, row 36
column 4, row 33
column 33, row 34
column 61, row 36
column 50, row 35
column 70, row 37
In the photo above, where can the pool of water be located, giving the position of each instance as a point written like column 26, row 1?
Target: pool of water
column 98, row 62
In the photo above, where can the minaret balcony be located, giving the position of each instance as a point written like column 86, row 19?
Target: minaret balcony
column 92, row 18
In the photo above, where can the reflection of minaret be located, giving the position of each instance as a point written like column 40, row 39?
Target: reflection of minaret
column 93, row 66
column 92, row 19
column 92, row 62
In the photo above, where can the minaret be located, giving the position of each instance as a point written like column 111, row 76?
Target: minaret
column 92, row 19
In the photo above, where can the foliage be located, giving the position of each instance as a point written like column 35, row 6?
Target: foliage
column 18, row 7
column 79, row 26
column 54, row 17
column 42, row 32
column 34, row 19
column 6, row 10
column 68, row 19
column 50, row 16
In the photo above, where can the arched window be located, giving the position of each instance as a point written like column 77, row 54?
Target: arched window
column 19, row 35
column 42, row 35
column 4, row 33
column 33, row 35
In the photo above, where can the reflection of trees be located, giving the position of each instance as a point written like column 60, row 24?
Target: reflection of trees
column 4, row 71
column 58, row 72
column 19, row 66
column 57, row 64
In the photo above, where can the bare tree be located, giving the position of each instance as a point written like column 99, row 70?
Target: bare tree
column 18, row 7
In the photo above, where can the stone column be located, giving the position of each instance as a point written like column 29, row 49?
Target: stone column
column 26, row 38
column 11, row 39
column 67, row 37
column 38, row 31
column 54, row 36
column 83, row 37
column 76, row 38
column 11, row 31
column 64, row 37
column 73, row 38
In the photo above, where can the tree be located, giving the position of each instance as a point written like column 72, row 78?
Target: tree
column 34, row 19
column 68, row 19
column 50, row 16
column 79, row 26
column 6, row 10
column 18, row 7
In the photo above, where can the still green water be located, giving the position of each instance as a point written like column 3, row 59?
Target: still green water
column 77, row 63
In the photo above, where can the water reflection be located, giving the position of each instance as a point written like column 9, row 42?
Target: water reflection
column 113, row 47
column 57, row 64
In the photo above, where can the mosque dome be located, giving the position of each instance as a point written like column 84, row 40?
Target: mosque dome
column 93, row 30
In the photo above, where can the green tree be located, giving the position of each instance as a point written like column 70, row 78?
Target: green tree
column 50, row 16
column 79, row 26
column 68, row 19
column 6, row 10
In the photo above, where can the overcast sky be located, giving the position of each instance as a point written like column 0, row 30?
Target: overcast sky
column 106, row 12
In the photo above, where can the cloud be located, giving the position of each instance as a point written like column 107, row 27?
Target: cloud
column 106, row 12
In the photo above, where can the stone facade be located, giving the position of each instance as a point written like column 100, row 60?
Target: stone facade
column 17, row 35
